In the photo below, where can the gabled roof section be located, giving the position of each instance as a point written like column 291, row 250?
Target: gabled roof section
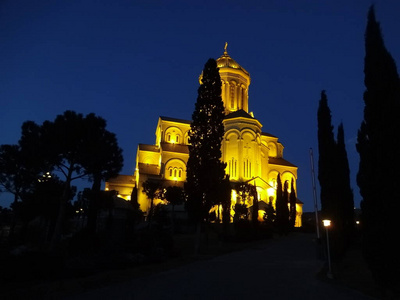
column 175, row 120
column 280, row 161
column 238, row 114
column 175, row 148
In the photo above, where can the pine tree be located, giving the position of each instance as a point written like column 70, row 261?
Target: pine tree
column 379, row 158
column 205, row 170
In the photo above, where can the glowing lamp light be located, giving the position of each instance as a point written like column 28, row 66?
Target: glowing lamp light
column 327, row 223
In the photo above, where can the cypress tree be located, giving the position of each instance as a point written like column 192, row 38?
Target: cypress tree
column 379, row 158
column 254, row 217
column 282, row 211
column 285, row 206
column 344, row 189
column 329, row 175
column 225, row 198
column 292, row 201
column 326, row 161
column 205, row 170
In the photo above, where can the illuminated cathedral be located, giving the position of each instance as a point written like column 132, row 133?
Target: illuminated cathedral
column 251, row 155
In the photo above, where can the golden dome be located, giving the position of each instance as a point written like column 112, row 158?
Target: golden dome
column 225, row 61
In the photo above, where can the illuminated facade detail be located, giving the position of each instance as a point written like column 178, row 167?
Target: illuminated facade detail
column 251, row 155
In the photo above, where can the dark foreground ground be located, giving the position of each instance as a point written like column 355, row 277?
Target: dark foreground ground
column 280, row 268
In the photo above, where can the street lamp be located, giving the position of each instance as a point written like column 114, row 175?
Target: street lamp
column 327, row 224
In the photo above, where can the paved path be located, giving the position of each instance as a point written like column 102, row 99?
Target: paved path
column 283, row 268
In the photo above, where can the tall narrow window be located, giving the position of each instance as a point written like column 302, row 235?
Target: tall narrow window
column 250, row 169
column 235, row 169
column 232, row 94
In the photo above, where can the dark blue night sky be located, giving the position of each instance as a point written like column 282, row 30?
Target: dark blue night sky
column 132, row 61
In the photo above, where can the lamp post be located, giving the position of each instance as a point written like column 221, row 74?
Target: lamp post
column 314, row 193
column 327, row 224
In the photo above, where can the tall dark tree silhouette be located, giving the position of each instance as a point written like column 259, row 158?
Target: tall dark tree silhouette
column 327, row 159
column 282, row 210
column 292, row 205
column 344, row 189
column 225, row 198
column 254, row 212
column 334, row 177
column 205, row 170
column 379, row 158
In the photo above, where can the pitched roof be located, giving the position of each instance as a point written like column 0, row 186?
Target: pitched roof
column 280, row 161
column 175, row 120
column 238, row 114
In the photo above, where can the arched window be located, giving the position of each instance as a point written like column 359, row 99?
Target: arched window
column 174, row 170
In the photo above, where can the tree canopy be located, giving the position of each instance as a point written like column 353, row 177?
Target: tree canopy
column 72, row 145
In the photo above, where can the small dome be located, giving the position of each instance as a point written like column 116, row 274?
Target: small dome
column 225, row 61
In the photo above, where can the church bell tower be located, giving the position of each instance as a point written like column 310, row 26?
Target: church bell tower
column 235, row 83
